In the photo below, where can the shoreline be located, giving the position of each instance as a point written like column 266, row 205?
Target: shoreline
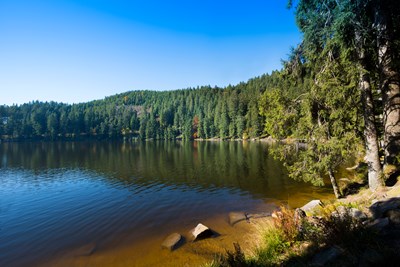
column 148, row 252
column 361, row 229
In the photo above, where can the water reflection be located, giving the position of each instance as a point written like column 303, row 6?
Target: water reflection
column 244, row 165
column 61, row 195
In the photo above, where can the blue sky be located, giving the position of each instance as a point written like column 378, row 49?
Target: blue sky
column 75, row 51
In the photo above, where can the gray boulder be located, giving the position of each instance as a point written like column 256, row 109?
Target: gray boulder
column 358, row 214
column 311, row 205
column 379, row 208
column 201, row 232
column 172, row 242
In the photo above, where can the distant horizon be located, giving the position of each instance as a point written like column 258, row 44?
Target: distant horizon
column 138, row 90
column 79, row 51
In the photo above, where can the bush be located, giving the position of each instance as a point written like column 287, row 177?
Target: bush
column 285, row 221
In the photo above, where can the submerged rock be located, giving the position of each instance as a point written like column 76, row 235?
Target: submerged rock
column 85, row 250
column 201, row 232
column 235, row 217
column 172, row 242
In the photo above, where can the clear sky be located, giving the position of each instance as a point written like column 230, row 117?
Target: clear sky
column 75, row 51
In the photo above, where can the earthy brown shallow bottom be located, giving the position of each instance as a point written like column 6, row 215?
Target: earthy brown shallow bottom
column 148, row 252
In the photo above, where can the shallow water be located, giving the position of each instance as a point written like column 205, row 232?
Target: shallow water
column 122, row 199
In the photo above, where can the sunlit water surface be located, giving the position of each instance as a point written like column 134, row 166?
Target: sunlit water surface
column 58, row 197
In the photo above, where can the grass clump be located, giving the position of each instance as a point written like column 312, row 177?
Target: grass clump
column 271, row 252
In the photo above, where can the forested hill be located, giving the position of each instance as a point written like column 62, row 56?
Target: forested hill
column 202, row 112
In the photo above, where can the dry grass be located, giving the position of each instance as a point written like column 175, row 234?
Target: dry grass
column 285, row 221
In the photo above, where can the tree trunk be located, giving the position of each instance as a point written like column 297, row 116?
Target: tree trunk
column 389, row 83
column 335, row 186
column 370, row 134
column 375, row 178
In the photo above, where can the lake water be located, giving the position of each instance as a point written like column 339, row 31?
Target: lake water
column 61, row 200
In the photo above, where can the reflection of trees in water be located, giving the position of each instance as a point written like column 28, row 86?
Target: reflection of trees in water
column 241, row 165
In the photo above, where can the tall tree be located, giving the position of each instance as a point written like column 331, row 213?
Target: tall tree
column 344, row 24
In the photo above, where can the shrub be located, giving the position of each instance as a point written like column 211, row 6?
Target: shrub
column 285, row 221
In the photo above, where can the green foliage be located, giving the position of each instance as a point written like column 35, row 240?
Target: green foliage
column 325, row 116
column 279, row 111
column 317, row 102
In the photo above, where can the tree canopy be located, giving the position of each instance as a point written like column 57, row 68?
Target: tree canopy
column 202, row 112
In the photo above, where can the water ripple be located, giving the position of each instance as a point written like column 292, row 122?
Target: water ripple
column 106, row 195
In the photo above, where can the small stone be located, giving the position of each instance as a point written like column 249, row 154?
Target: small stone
column 235, row 217
column 326, row 256
column 311, row 205
column 172, row 242
column 394, row 216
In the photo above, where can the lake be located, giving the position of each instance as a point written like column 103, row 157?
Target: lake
column 112, row 203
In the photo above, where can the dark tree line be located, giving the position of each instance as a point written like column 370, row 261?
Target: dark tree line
column 202, row 112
